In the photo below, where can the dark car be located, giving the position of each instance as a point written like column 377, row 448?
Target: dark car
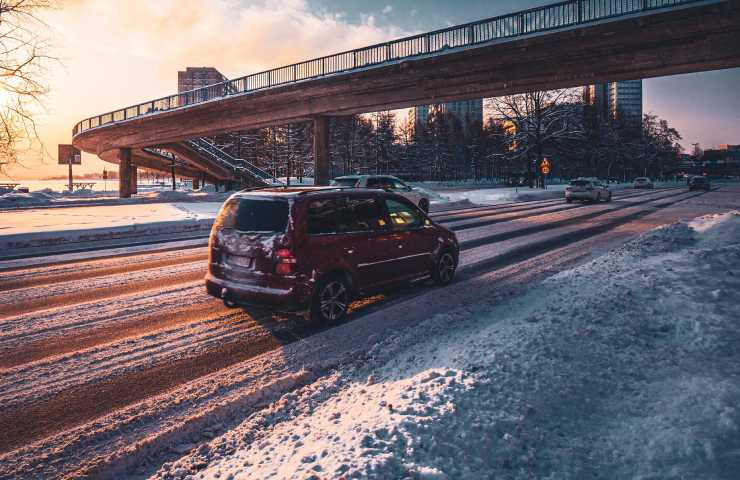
column 315, row 249
column 699, row 183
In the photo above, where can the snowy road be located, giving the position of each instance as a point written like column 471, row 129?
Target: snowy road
column 117, row 365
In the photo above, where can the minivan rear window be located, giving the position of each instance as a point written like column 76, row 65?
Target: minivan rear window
column 251, row 215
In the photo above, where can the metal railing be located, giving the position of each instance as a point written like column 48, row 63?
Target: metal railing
column 559, row 15
column 237, row 165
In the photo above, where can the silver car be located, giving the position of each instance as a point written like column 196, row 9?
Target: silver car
column 587, row 190
column 385, row 182
column 643, row 182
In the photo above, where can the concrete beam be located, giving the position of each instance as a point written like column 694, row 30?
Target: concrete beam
column 699, row 38
column 124, row 172
column 321, row 156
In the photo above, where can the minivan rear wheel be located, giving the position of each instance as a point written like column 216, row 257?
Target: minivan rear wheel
column 444, row 268
column 331, row 301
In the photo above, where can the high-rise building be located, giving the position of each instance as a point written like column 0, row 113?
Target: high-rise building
column 198, row 77
column 468, row 112
column 617, row 100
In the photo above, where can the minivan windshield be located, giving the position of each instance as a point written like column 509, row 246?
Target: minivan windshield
column 580, row 183
column 254, row 215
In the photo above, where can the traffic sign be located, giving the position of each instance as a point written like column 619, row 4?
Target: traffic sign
column 69, row 155
column 545, row 166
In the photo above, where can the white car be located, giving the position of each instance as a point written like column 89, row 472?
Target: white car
column 643, row 182
column 587, row 189
column 385, row 182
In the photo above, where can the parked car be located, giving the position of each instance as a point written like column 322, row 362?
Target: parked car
column 699, row 183
column 586, row 189
column 315, row 249
column 643, row 182
column 385, row 182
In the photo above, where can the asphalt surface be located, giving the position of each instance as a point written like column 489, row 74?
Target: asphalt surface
column 87, row 346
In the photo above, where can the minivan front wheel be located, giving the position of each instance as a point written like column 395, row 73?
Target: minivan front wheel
column 444, row 268
column 331, row 300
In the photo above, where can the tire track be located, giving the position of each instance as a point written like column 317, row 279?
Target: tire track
column 87, row 270
column 182, row 372
column 15, row 302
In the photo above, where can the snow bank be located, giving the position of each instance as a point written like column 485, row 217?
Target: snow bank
column 17, row 199
column 625, row 367
column 494, row 196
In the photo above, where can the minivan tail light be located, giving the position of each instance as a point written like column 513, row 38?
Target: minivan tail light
column 285, row 262
column 214, row 250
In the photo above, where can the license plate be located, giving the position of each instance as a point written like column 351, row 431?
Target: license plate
column 244, row 262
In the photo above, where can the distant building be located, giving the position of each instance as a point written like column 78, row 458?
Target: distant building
column 725, row 146
column 617, row 100
column 724, row 160
column 418, row 116
column 198, row 77
column 469, row 112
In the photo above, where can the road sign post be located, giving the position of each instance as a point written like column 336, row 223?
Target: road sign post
column 69, row 155
column 545, row 169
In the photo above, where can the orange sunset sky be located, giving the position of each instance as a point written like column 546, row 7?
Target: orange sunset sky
column 115, row 53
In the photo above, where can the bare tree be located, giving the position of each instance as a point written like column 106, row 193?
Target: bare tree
column 539, row 123
column 23, row 57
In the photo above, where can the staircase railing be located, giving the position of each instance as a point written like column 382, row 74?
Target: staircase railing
column 239, row 166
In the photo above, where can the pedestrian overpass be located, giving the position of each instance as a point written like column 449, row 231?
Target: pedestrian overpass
column 566, row 44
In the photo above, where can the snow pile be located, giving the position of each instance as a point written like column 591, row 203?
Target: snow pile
column 625, row 367
column 494, row 196
column 17, row 199
column 84, row 193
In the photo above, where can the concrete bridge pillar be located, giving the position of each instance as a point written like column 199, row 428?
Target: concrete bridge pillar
column 134, row 179
column 321, row 150
column 124, row 172
column 196, row 183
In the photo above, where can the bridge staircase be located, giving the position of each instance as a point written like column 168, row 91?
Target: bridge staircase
column 244, row 171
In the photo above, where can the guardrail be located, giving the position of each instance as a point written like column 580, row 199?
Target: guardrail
column 541, row 19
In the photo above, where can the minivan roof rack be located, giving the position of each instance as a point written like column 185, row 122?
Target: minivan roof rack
column 263, row 187
column 322, row 190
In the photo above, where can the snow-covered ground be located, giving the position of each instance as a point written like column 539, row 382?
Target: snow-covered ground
column 51, row 198
column 103, row 216
column 625, row 367
column 493, row 195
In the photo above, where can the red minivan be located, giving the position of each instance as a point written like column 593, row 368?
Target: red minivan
column 315, row 249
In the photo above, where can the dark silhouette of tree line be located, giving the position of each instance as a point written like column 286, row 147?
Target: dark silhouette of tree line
column 519, row 132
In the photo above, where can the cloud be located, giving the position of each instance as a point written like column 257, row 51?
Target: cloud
column 387, row 9
column 118, row 53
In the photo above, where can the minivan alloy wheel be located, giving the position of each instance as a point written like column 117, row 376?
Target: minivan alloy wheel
column 333, row 300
